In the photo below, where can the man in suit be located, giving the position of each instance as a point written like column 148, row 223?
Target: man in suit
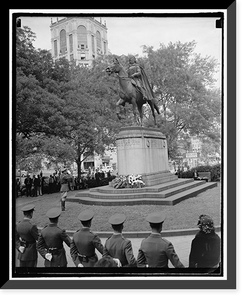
column 50, row 242
column 25, row 238
column 117, row 246
column 84, row 242
column 155, row 251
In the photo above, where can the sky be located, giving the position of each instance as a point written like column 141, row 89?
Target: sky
column 127, row 35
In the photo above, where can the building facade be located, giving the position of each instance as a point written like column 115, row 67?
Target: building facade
column 79, row 39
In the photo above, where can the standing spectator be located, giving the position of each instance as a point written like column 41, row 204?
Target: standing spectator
column 155, row 251
column 97, row 177
column 39, row 185
column 50, row 242
column 35, row 185
column 42, row 184
column 51, row 180
column 205, row 247
column 17, row 187
column 28, row 185
column 25, row 238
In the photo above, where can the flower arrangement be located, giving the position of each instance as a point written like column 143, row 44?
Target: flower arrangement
column 128, row 181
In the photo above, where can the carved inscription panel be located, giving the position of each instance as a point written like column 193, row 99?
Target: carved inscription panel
column 129, row 143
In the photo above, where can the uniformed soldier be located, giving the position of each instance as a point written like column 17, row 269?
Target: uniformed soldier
column 117, row 246
column 26, row 237
column 65, row 180
column 155, row 251
column 50, row 242
column 84, row 242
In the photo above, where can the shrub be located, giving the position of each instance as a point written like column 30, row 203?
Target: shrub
column 215, row 172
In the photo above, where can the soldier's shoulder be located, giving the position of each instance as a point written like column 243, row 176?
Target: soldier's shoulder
column 44, row 228
column 77, row 232
column 109, row 237
column 124, row 238
column 32, row 223
column 93, row 233
column 165, row 241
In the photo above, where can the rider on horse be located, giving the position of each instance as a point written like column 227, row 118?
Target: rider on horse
column 139, row 79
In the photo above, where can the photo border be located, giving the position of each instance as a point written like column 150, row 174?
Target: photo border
column 230, row 282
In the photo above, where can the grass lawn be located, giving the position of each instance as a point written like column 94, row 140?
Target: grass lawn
column 180, row 216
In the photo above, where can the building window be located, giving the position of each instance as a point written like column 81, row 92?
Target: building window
column 93, row 46
column 98, row 40
column 63, row 44
column 104, row 47
column 71, row 43
column 55, row 48
column 82, row 36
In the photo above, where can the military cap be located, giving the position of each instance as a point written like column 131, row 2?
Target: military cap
column 86, row 215
column 28, row 207
column 117, row 219
column 53, row 213
column 155, row 217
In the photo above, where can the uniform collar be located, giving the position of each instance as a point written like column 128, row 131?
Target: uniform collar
column 117, row 233
column 85, row 229
column 155, row 234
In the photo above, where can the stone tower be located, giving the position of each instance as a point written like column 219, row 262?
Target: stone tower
column 81, row 39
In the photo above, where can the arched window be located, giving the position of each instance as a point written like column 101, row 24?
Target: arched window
column 82, row 37
column 63, row 44
column 98, row 40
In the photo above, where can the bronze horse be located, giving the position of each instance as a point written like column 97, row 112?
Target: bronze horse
column 130, row 94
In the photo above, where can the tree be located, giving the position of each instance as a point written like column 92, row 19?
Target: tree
column 183, row 84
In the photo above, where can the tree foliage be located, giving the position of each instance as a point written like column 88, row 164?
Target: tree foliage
column 67, row 112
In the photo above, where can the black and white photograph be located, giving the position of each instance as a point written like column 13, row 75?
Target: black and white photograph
column 119, row 146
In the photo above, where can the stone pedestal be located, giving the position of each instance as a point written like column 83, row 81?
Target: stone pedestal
column 143, row 151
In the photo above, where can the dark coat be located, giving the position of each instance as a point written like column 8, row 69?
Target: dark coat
column 117, row 246
column 84, row 243
column 156, row 251
column 53, row 237
column 26, row 233
column 205, row 250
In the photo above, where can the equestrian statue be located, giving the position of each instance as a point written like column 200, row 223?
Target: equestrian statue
column 134, row 88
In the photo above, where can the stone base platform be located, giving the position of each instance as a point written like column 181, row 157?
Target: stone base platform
column 168, row 193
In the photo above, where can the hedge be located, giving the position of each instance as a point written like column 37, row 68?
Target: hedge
column 215, row 172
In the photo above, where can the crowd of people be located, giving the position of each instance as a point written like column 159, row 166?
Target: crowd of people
column 154, row 251
column 38, row 185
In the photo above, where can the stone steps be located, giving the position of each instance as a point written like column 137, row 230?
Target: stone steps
column 143, row 194
column 170, row 197
column 152, row 189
